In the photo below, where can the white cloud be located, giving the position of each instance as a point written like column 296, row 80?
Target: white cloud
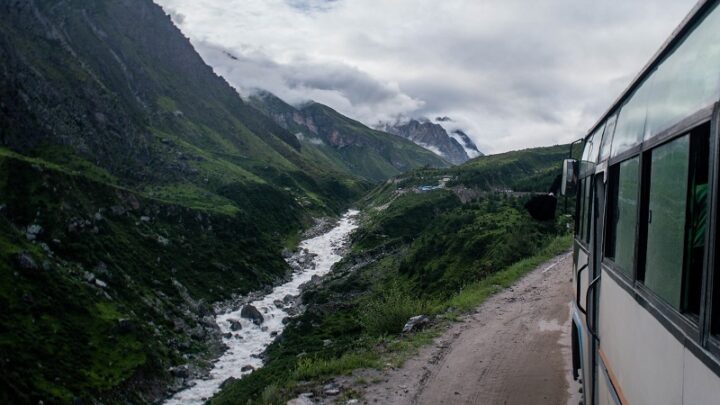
column 511, row 73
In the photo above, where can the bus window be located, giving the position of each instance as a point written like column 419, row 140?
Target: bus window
column 587, row 209
column 622, row 214
column 579, row 223
column 697, row 216
column 676, row 215
column 582, row 227
column 667, row 199
column 607, row 138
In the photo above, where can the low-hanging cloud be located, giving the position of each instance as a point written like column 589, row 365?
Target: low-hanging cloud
column 511, row 73
column 343, row 87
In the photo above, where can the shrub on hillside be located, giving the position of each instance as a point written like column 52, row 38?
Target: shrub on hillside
column 387, row 312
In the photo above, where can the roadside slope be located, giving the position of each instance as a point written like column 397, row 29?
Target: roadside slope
column 515, row 349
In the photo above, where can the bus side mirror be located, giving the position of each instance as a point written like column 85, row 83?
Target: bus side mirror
column 569, row 176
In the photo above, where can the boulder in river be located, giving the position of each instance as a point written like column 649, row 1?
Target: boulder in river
column 252, row 313
column 247, row 368
column 180, row 371
column 235, row 325
column 227, row 382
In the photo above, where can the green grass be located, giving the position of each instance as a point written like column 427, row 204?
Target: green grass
column 314, row 369
column 476, row 293
column 388, row 311
column 193, row 196
column 62, row 159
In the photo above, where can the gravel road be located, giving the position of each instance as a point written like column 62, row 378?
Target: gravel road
column 515, row 349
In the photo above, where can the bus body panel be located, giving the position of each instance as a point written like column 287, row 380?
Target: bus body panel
column 646, row 359
column 701, row 385
column 606, row 394
column 581, row 259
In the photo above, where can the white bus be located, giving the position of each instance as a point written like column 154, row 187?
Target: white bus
column 646, row 315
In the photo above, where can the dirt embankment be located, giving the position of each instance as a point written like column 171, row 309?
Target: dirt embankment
column 515, row 349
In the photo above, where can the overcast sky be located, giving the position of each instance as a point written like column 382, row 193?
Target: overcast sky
column 512, row 73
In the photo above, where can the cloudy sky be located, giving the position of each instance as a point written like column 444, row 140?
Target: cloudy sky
column 512, row 73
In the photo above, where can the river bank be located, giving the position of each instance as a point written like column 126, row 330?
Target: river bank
column 249, row 325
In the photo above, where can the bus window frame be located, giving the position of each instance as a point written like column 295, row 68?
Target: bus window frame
column 710, row 296
column 606, row 261
column 695, row 334
column 581, row 235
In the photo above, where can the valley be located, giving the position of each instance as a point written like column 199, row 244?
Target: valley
column 267, row 315
column 164, row 239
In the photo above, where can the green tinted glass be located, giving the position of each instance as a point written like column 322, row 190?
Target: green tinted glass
column 666, row 219
column 607, row 138
column 688, row 79
column 623, row 249
column 587, row 210
column 580, row 226
column 630, row 125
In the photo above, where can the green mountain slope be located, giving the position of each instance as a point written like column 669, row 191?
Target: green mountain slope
column 118, row 85
column 348, row 145
column 136, row 188
column 103, row 289
column 418, row 251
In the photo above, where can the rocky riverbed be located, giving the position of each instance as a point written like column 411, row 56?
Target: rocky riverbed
column 250, row 324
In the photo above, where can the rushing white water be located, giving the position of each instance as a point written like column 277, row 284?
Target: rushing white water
column 256, row 338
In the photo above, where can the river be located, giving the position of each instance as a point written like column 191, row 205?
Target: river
column 319, row 254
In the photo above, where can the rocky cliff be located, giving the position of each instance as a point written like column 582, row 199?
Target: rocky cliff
column 456, row 148
column 347, row 144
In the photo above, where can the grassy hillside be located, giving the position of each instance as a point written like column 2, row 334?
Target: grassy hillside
column 436, row 253
column 104, row 289
column 136, row 189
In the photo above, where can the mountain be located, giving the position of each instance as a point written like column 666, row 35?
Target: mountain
column 136, row 189
column 464, row 140
column 344, row 143
column 455, row 148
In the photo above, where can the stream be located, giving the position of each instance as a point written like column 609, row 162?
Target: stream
column 315, row 257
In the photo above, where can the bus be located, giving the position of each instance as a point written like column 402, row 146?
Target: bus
column 646, row 310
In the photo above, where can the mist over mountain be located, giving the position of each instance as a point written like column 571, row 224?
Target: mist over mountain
column 470, row 148
column 455, row 147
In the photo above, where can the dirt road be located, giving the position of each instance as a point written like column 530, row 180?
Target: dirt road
column 515, row 349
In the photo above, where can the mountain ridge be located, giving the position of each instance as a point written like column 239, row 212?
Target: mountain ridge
column 344, row 140
column 456, row 147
